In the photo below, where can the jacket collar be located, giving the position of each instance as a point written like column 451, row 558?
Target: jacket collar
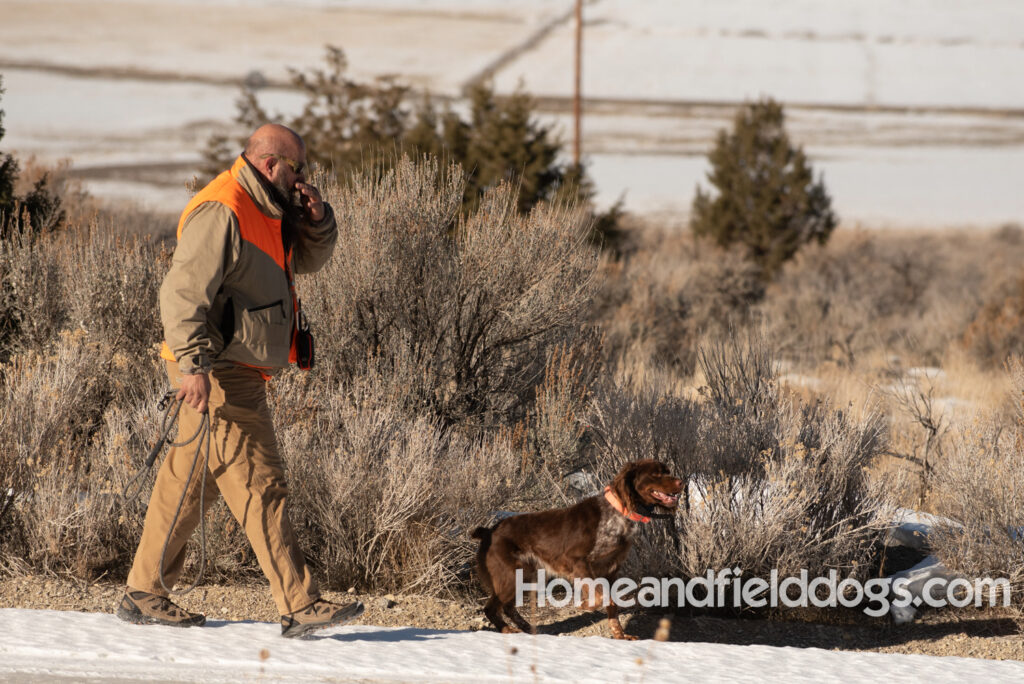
column 267, row 197
column 621, row 508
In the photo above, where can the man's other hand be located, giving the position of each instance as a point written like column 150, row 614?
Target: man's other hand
column 195, row 391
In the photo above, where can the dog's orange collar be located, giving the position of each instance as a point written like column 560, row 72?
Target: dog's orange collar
column 617, row 505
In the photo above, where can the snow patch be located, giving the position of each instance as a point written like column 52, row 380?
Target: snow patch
column 46, row 645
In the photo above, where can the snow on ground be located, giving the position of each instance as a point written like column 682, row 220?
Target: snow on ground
column 53, row 646
column 911, row 528
column 127, row 86
column 901, row 187
column 435, row 50
column 858, row 52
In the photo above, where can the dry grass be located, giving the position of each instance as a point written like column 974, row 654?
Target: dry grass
column 77, row 204
column 497, row 362
column 979, row 486
column 384, row 500
column 32, row 302
column 458, row 314
column 73, row 427
column 773, row 483
column 858, row 321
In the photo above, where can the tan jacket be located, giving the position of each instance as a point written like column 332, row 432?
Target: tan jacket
column 228, row 297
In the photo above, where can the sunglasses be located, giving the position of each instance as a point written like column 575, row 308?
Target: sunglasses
column 295, row 166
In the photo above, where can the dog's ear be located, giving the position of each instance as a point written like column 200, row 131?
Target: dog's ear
column 623, row 486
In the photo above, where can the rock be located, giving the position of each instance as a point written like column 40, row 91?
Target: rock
column 917, row 580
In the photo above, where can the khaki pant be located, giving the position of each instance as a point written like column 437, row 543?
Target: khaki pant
column 246, row 469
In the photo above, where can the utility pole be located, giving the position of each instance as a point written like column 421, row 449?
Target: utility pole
column 576, row 99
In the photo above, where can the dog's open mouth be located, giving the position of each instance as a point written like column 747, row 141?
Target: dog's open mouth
column 669, row 500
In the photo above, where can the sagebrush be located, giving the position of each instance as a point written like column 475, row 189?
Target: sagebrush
column 476, row 363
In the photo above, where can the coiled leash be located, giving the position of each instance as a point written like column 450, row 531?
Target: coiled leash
column 171, row 407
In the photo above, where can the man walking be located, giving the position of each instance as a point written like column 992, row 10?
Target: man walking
column 228, row 309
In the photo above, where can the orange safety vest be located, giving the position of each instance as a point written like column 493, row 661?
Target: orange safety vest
column 255, row 227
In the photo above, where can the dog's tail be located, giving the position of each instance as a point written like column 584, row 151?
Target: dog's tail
column 484, row 535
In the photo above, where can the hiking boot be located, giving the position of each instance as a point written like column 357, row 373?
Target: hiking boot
column 318, row 615
column 143, row 608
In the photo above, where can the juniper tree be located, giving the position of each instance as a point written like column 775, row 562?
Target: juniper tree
column 36, row 211
column 349, row 126
column 8, row 175
column 767, row 198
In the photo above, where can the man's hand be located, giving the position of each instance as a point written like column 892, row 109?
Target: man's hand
column 311, row 201
column 195, row 391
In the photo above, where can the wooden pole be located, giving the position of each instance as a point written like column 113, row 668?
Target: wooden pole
column 576, row 99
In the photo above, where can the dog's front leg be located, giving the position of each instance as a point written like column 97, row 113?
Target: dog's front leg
column 518, row 620
column 591, row 600
column 615, row 625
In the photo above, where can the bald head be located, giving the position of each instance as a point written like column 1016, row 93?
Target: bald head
column 275, row 139
column 278, row 154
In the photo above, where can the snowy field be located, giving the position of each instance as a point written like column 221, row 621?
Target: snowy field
column 839, row 52
column 53, row 646
column 911, row 108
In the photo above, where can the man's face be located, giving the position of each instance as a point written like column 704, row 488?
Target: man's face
column 283, row 174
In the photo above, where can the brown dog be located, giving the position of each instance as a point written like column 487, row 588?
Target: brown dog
column 588, row 540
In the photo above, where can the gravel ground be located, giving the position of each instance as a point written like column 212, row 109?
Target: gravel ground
column 967, row 633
